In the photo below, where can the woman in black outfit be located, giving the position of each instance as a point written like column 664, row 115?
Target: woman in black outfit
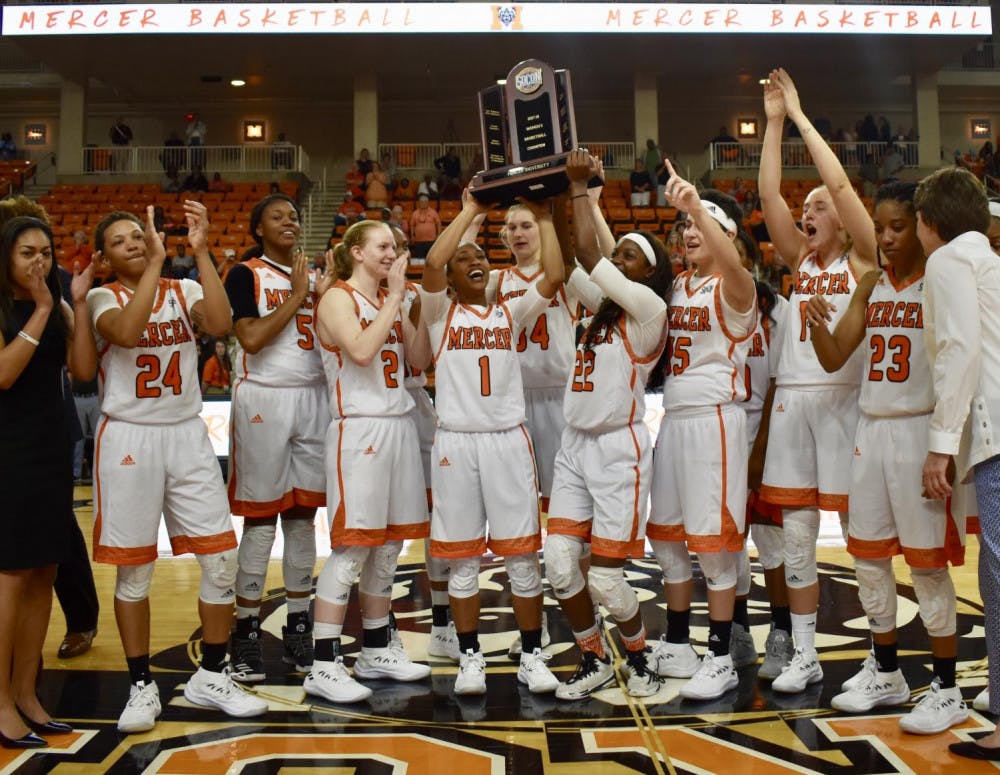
column 39, row 335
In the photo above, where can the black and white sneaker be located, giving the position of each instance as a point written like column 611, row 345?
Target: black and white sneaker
column 248, row 655
column 642, row 680
column 298, row 643
column 592, row 674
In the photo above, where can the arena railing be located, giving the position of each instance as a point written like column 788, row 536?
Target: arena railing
column 416, row 159
column 133, row 159
column 795, row 155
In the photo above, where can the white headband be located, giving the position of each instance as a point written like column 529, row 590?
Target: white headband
column 995, row 209
column 640, row 242
column 719, row 215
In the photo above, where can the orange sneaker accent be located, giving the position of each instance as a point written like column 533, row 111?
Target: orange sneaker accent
column 127, row 461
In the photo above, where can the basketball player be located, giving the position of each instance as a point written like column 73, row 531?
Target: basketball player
column 376, row 487
column 483, row 473
column 153, row 454
column 279, row 418
column 814, row 418
column 699, row 491
column 889, row 515
column 604, row 462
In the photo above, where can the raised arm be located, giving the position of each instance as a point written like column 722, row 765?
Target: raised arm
column 444, row 247
column 579, row 170
column 789, row 241
column 81, row 349
column 834, row 348
column 605, row 239
column 212, row 313
column 123, row 326
column 551, row 255
column 850, row 208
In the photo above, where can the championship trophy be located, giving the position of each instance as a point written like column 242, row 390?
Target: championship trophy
column 528, row 129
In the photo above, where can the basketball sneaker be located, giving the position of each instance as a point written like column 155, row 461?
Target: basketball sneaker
column 715, row 677
column 881, row 689
column 802, row 671
column 535, row 674
column 939, row 709
column 332, row 681
column 218, row 690
column 142, row 708
column 591, row 674
column 778, row 652
column 471, row 677
column 672, row 660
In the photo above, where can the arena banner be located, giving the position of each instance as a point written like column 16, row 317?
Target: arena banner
column 179, row 18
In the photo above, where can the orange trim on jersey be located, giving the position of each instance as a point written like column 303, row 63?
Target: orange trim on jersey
column 717, row 296
column 730, row 536
column 635, row 358
column 665, row 532
column 98, row 515
column 444, row 331
column 459, row 549
column 358, row 536
column 879, row 549
column 534, row 471
column 891, row 275
column 569, row 527
column 482, row 316
column 511, row 546
column 615, row 550
column 220, row 542
column 830, row 502
column 257, row 509
column 637, row 504
column 311, row 499
column 544, row 500
column 790, row 497
column 430, row 499
column 972, row 525
column 233, row 471
column 761, row 513
column 340, row 515
column 178, row 289
column 934, row 558
column 117, row 555
column 687, row 276
column 407, row 532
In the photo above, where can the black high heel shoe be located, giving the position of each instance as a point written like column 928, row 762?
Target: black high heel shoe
column 30, row 740
column 46, row 727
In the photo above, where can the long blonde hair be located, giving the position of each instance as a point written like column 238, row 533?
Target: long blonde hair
column 355, row 236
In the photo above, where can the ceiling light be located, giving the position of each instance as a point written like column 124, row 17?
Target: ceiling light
column 237, row 82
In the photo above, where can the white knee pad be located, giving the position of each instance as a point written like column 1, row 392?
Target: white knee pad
column 218, row 577
column 463, row 581
column 379, row 569
column 742, row 573
column 609, row 588
column 339, row 573
column 133, row 581
column 562, row 565
column 936, row 597
column 524, row 574
column 770, row 543
column 719, row 569
column 877, row 591
column 801, row 531
column 299, row 557
column 437, row 567
column 254, row 554
column 674, row 559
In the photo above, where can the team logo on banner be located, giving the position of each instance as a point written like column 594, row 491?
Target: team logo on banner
column 506, row 17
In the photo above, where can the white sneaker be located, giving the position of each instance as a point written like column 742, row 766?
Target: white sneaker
column 535, row 673
column 591, row 674
column 142, row 708
column 741, row 647
column 331, row 681
column 938, row 710
column 471, row 678
column 444, row 643
column 982, row 701
column 868, row 668
column 390, row 662
column 778, row 652
column 219, row 690
column 882, row 689
column 673, row 660
column 803, row 670
column 642, row 680
column 514, row 652
column 715, row 677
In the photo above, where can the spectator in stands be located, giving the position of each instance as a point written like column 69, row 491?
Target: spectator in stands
column 723, row 137
column 449, row 169
column 215, row 375
column 869, row 173
column 349, row 211
column 750, row 202
column 182, row 262
column 884, row 130
column 675, row 248
column 228, row 262
column 376, row 187
column 892, row 163
column 400, row 221
column 404, row 191
column 283, row 154
column 79, row 256
column 364, row 162
column 355, row 182
column 652, row 158
column 174, row 156
column 7, row 148
column 196, row 132
column 425, row 226
column 428, row 187
column 171, row 182
column 662, row 176
column 869, row 130
column 739, row 190
column 640, row 184
column 390, row 170
column 218, row 184
column 196, row 181
column 121, row 138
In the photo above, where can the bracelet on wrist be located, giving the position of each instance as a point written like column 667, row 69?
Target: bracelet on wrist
column 28, row 338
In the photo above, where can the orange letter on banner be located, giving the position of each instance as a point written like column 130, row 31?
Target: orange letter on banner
column 686, row 18
column 614, row 17
column 845, row 19
column 710, row 17
column 870, row 18
column 268, row 17
column 244, row 18
column 53, row 19
column 195, row 18
column 662, row 14
column 824, row 19
column 293, row 17
column 124, row 18
column 220, row 18
column 637, row 19
column 975, row 20
column 365, row 18
column 777, row 18
column 74, row 19
column 101, row 19
column 935, row 21
column 27, row 20
column 147, row 18
column 339, row 17
column 911, row 19
column 731, row 16
column 801, row 20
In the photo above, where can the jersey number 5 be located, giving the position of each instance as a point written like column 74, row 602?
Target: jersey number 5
column 149, row 372
column 304, row 325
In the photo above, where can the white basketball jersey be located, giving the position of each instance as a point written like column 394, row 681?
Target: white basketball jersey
column 156, row 382
column 607, row 388
column 706, row 364
column 292, row 357
column 897, row 381
column 412, row 377
column 375, row 390
column 477, row 377
column 545, row 346
column 799, row 364
column 763, row 349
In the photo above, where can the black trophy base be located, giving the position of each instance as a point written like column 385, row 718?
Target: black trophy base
column 538, row 179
